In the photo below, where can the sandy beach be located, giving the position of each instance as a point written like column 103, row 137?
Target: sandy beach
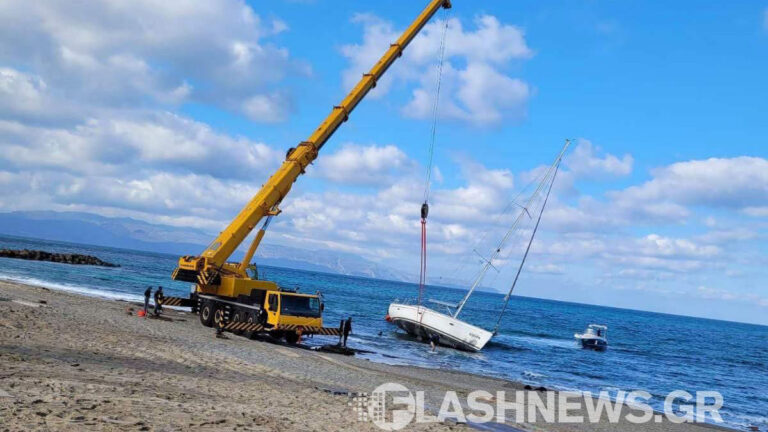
column 70, row 362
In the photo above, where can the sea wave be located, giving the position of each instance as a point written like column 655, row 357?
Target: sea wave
column 744, row 421
column 532, row 375
column 75, row 289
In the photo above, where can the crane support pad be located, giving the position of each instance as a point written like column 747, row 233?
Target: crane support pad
column 175, row 301
column 327, row 331
column 243, row 326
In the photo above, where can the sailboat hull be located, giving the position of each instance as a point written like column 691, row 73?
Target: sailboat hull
column 423, row 323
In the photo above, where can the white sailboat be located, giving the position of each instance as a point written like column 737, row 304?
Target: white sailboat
column 428, row 324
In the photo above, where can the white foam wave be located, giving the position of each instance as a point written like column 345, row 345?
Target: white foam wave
column 75, row 289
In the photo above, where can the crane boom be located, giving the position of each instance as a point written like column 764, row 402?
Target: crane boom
column 266, row 200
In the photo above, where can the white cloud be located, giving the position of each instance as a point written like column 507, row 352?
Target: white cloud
column 123, row 53
column 724, row 295
column 728, row 236
column 365, row 165
column 641, row 274
column 478, row 95
column 485, row 194
column 552, row 269
column 476, row 90
column 150, row 165
column 717, row 182
column 385, row 223
column 22, row 94
column 177, row 199
column 84, row 95
column 139, row 142
column 634, row 253
column 756, row 211
column 672, row 195
column 268, row 108
column 585, row 162
column 656, row 245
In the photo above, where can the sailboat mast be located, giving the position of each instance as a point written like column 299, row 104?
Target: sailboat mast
column 489, row 262
column 533, row 234
column 472, row 288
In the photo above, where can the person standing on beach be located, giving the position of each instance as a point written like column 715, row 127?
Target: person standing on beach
column 158, row 300
column 147, row 293
column 347, row 329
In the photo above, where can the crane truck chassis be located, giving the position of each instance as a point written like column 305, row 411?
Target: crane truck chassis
column 224, row 294
column 271, row 310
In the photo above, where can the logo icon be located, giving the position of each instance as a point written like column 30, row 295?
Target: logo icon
column 373, row 406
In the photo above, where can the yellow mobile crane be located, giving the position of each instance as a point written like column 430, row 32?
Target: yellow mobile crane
column 224, row 293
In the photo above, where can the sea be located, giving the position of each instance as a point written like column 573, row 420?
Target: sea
column 654, row 352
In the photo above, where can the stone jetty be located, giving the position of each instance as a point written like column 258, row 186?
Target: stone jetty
column 64, row 258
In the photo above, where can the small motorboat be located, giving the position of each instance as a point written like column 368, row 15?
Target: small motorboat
column 594, row 338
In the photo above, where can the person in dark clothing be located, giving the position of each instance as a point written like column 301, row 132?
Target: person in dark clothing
column 147, row 293
column 158, row 300
column 434, row 340
column 347, row 329
column 220, row 330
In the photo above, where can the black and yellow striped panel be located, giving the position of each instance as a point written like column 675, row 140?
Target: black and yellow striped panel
column 327, row 331
column 243, row 326
column 175, row 301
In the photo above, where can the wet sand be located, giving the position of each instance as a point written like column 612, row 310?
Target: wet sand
column 70, row 362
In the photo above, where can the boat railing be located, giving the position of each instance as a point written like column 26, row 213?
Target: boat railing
column 407, row 301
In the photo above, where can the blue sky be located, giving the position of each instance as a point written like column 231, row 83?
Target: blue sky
column 177, row 114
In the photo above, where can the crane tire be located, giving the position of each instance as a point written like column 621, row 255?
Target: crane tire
column 250, row 319
column 239, row 315
column 206, row 313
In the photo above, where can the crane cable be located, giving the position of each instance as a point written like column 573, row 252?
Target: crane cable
column 428, row 180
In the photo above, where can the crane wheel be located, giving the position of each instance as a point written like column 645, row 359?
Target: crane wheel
column 206, row 313
column 239, row 316
column 250, row 319
column 218, row 317
column 291, row 337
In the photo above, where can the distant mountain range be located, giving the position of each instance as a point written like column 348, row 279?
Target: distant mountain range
column 129, row 233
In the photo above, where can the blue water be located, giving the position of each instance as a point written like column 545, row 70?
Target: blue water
column 653, row 352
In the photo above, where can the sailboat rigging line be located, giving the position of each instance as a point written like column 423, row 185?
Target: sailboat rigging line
column 530, row 242
column 503, row 241
column 435, row 109
column 428, row 180
column 497, row 218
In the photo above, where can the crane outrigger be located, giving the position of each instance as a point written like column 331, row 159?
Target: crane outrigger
column 224, row 293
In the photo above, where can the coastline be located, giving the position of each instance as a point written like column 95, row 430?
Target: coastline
column 78, row 361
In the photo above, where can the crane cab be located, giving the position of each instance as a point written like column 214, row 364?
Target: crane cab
column 293, row 309
column 279, row 312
